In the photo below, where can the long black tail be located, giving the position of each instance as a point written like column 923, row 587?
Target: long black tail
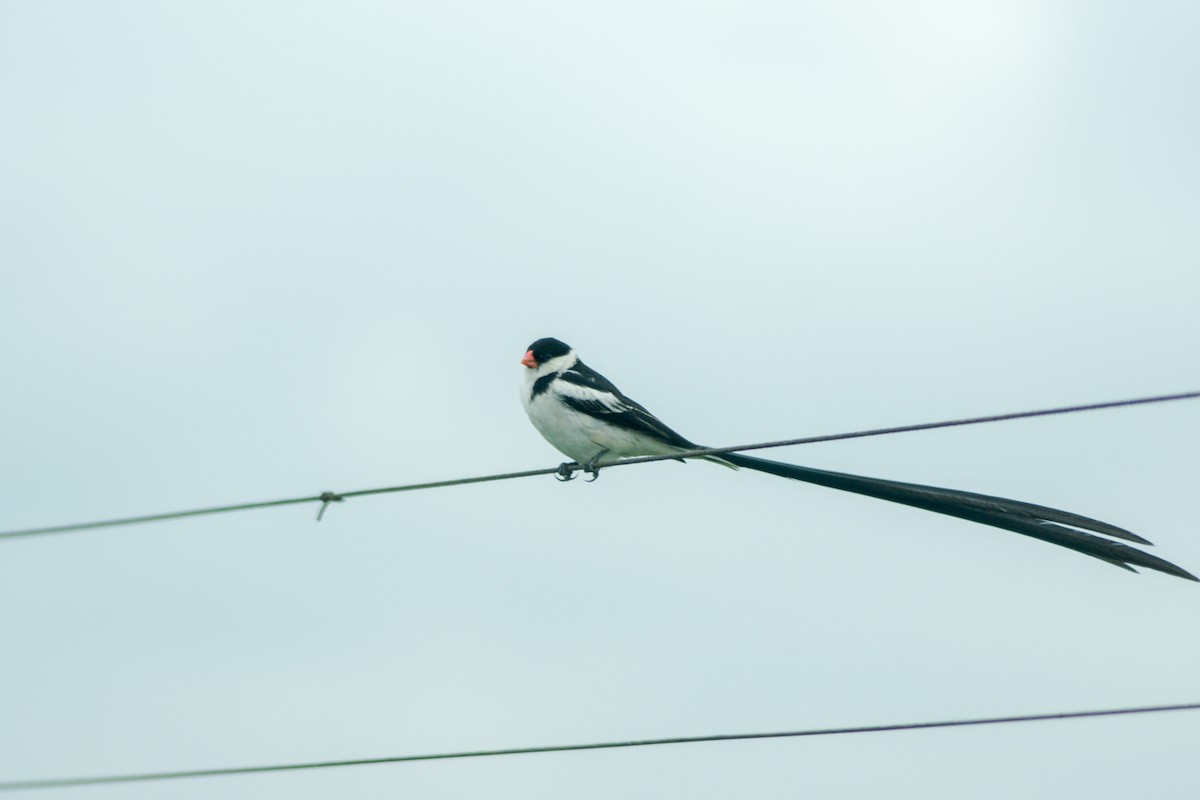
column 1040, row 522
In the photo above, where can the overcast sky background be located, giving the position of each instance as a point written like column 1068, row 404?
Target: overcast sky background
column 262, row 250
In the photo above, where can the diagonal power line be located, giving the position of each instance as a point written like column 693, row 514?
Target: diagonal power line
column 330, row 497
column 52, row 783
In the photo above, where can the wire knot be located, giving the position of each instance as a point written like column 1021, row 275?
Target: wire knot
column 326, row 498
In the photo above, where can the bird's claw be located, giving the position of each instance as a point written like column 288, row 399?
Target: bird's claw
column 590, row 467
column 567, row 469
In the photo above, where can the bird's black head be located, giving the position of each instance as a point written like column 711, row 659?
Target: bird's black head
column 543, row 350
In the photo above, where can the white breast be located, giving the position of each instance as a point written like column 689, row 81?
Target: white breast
column 581, row 436
column 576, row 435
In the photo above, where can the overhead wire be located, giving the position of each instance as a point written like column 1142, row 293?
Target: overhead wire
column 50, row 783
column 325, row 498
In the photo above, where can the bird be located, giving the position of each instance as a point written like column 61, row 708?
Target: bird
column 587, row 418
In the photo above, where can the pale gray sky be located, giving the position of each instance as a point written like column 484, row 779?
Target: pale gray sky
column 258, row 251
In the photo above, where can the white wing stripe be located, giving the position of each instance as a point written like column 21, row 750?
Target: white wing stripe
column 588, row 395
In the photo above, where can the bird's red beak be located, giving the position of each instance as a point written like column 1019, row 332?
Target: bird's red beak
column 529, row 360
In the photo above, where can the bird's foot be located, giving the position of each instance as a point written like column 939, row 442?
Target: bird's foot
column 590, row 467
column 566, row 471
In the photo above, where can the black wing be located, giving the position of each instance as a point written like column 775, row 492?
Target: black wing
column 588, row 392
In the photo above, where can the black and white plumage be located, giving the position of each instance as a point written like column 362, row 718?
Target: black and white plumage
column 586, row 417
